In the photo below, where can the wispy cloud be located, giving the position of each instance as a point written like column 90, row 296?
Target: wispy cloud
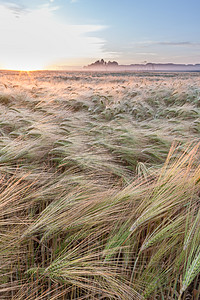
column 37, row 38
column 16, row 9
column 184, row 43
column 145, row 44
column 146, row 53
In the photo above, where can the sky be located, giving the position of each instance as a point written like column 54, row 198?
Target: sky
column 63, row 33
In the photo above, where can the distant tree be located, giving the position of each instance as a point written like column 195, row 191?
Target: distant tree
column 102, row 62
column 112, row 63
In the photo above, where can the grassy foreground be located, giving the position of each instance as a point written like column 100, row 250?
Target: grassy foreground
column 99, row 186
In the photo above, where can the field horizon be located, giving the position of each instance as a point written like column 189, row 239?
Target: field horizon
column 129, row 68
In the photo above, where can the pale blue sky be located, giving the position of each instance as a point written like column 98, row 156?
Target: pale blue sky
column 128, row 31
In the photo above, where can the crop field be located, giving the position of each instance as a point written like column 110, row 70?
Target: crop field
column 99, row 186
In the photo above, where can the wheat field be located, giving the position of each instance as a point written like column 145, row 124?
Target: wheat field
column 99, row 185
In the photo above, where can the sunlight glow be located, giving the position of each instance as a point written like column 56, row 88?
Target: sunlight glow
column 35, row 39
column 18, row 66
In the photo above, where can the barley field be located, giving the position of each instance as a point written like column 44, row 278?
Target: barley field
column 99, row 185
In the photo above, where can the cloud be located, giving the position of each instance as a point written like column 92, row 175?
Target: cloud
column 184, row 43
column 146, row 53
column 36, row 38
column 145, row 44
column 16, row 9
